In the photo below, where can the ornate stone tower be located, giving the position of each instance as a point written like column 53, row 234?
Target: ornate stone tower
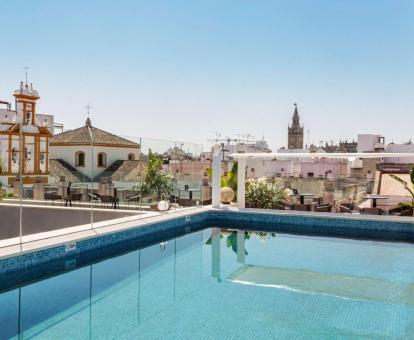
column 295, row 132
column 24, row 143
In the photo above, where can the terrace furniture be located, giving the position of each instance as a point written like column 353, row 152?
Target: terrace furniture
column 401, row 211
column 52, row 196
column 133, row 198
column 302, row 197
column 112, row 200
column 301, row 207
column 190, row 192
column 317, row 200
column 94, row 197
column 73, row 198
column 278, row 206
column 346, row 208
column 372, row 211
column 374, row 199
column 323, row 208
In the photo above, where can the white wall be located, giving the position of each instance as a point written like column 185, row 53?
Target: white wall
column 366, row 142
column 285, row 167
column 399, row 148
column 15, row 145
column 67, row 153
column 4, row 151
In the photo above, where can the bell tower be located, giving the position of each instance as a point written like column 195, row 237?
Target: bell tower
column 26, row 98
column 295, row 131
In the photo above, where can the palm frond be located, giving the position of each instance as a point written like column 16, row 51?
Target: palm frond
column 412, row 176
column 404, row 183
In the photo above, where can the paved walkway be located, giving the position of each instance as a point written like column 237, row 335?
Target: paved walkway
column 41, row 219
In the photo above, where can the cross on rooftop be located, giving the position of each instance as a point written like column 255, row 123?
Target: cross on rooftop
column 88, row 107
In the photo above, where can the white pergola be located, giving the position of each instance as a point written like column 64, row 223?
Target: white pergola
column 241, row 158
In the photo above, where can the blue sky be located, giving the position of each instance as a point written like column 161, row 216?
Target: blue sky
column 184, row 69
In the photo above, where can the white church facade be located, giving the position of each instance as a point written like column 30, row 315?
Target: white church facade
column 74, row 148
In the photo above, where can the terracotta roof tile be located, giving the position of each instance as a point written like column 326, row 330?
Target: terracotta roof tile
column 81, row 136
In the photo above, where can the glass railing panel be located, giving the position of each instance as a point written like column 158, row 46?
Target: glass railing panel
column 326, row 184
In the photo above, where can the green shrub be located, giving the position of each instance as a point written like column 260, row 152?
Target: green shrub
column 264, row 194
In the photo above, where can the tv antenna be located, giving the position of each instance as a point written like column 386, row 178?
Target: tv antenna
column 26, row 68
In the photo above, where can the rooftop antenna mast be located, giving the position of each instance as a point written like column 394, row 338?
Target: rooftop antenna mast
column 26, row 68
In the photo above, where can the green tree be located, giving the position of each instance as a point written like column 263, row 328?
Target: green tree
column 157, row 181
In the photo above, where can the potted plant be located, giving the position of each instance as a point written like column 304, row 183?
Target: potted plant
column 228, row 190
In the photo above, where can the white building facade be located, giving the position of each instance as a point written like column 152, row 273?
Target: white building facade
column 91, row 157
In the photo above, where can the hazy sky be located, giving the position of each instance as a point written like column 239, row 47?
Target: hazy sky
column 184, row 69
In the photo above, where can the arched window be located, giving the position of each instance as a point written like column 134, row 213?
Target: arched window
column 102, row 160
column 131, row 157
column 80, row 158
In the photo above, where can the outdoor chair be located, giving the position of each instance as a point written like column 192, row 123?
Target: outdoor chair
column 73, row 198
column 372, row 211
column 301, row 207
column 317, row 200
column 133, row 198
column 401, row 211
column 107, row 199
column 94, row 197
column 52, row 196
column 323, row 208
column 346, row 207
column 279, row 206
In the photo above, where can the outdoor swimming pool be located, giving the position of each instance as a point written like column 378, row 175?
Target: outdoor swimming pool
column 220, row 284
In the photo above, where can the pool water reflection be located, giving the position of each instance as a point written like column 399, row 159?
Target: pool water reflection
column 221, row 283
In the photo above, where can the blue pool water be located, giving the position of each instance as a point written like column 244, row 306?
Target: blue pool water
column 223, row 284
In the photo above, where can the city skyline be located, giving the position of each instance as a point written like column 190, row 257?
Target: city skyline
column 236, row 69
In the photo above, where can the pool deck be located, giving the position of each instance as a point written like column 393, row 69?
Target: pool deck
column 40, row 219
column 125, row 221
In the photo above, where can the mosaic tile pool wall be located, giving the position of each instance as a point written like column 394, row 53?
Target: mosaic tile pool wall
column 87, row 250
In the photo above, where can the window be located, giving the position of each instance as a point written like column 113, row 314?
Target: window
column 80, row 158
column 131, row 157
column 310, row 174
column 102, row 160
